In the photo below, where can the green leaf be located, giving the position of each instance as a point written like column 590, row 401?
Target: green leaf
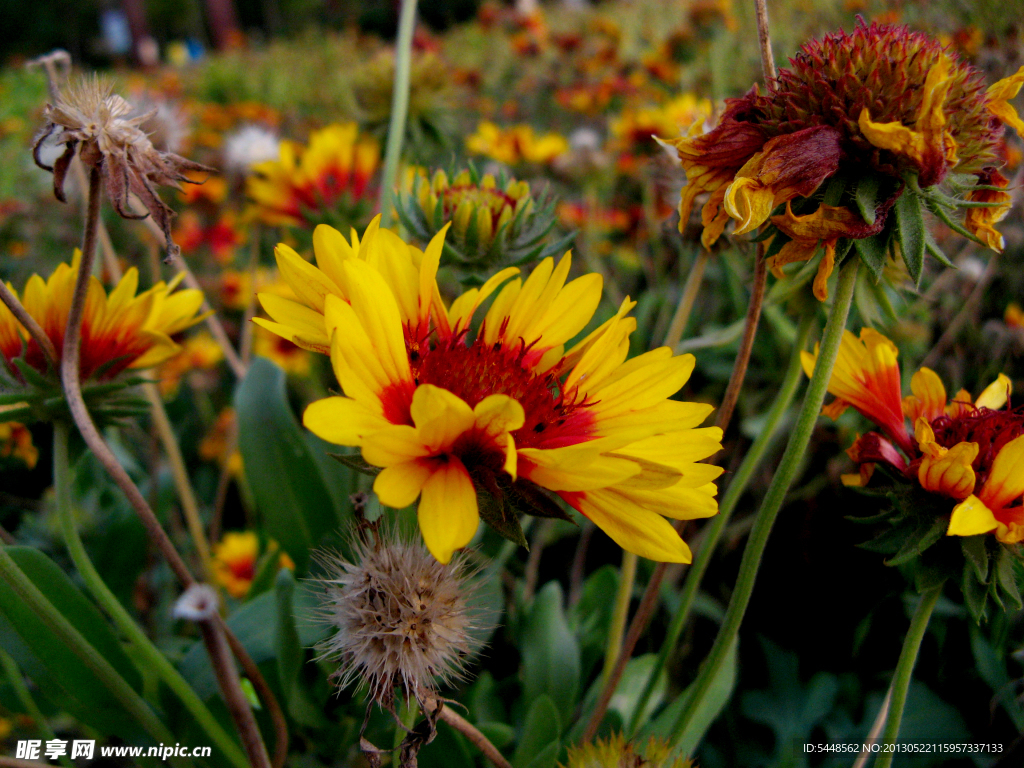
column 976, row 553
column 919, row 540
column 448, row 749
column 717, row 696
column 499, row 734
column 56, row 670
column 541, row 728
column 550, row 653
column 291, row 656
column 911, row 231
column 546, row 757
column 873, row 251
column 975, row 593
column 866, row 196
column 296, row 507
column 1007, row 579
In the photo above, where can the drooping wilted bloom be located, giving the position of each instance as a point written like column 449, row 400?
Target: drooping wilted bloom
column 92, row 121
column 848, row 146
column 488, row 424
column 400, row 618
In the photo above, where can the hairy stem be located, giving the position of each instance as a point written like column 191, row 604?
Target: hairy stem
column 117, row 612
column 904, row 670
column 737, row 485
column 399, row 108
column 776, row 494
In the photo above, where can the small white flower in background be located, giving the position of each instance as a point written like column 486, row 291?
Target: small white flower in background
column 248, row 146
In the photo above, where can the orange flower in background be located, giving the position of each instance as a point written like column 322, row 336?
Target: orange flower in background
column 119, row 331
column 198, row 353
column 16, row 443
column 214, row 445
column 969, row 451
column 516, row 144
column 1014, row 316
column 235, row 560
column 334, row 169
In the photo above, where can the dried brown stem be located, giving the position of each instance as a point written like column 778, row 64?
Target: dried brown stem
column 234, row 697
column 467, row 729
column 100, row 449
column 29, row 323
column 765, row 42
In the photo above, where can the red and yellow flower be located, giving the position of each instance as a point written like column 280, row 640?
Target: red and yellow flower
column 336, row 168
column 121, row 330
column 235, row 560
column 16, row 443
column 969, row 451
column 506, row 413
column 516, row 144
column 883, row 102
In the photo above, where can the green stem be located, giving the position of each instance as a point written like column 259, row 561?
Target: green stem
column 772, row 503
column 737, row 486
column 77, row 644
column 620, row 611
column 904, row 670
column 117, row 612
column 399, row 108
column 10, row 668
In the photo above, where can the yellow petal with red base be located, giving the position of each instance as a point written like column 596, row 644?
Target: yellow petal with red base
column 929, row 398
column 448, row 513
column 1005, row 482
column 971, row 517
column 950, row 473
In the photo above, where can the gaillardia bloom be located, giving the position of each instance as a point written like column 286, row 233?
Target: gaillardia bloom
column 236, row 561
column 847, row 148
column 487, row 424
column 959, row 462
column 121, row 330
column 330, row 176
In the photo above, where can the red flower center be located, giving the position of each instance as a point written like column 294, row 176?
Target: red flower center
column 991, row 430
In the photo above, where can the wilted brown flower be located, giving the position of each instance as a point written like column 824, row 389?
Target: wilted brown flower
column 94, row 122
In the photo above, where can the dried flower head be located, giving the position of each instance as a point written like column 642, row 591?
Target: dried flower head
column 849, row 146
column 95, row 122
column 403, row 619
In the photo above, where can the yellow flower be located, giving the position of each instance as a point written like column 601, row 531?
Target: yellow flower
column 509, row 412
column 119, row 331
column 1014, row 315
column 336, row 167
column 235, row 559
column 515, row 144
column 16, row 442
column 616, row 752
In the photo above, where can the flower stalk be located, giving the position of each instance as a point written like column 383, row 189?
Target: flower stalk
column 776, row 494
column 620, row 612
column 737, row 486
column 121, row 618
column 904, row 670
column 399, row 108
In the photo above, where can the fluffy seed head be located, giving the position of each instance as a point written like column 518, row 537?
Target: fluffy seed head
column 402, row 618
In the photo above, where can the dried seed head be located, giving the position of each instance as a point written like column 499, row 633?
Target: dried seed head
column 95, row 122
column 402, row 618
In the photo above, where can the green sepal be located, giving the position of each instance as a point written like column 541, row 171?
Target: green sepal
column 873, row 252
column 866, row 196
column 921, row 539
column 975, row 593
column 356, row 462
column 911, row 232
column 975, row 551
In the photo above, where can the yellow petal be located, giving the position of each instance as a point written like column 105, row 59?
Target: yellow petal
column 341, row 421
column 996, row 394
column 1005, row 482
column 448, row 513
column 999, row 95
column 440, row 416
column 749, row 202
column 632, row 527
column 971, row 517
column 950, row 473
column 929, row 398
column 308, row 282
column 399, row 485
